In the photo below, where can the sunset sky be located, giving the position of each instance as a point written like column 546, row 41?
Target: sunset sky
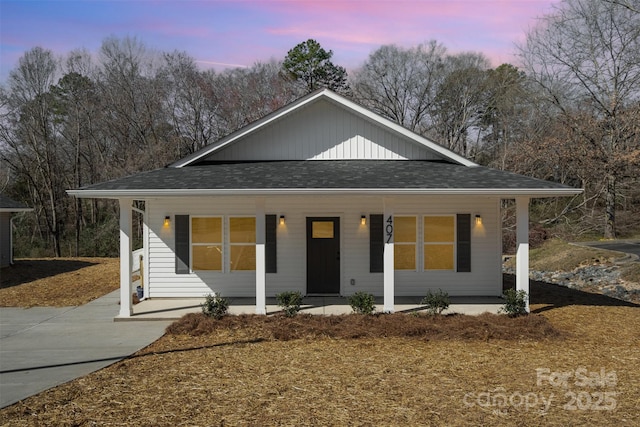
column 239, row 33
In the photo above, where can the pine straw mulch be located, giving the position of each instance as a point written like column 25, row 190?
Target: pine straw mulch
column 57, row 282
column 306, row 326
column 309, row 371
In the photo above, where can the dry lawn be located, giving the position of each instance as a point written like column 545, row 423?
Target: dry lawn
column 57, row 282
column 258, row 371
column 559, row 255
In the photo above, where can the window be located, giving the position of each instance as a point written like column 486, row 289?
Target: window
column 404, row 229
column 439, row 242
column 242, row 243
column 322, row 229
column 445, row 243
column 206, row 243
column 202, row 245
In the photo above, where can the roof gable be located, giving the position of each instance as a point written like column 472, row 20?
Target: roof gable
column 323, row 126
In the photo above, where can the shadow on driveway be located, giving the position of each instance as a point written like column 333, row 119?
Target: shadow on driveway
column 28, row 270
column 556, row 296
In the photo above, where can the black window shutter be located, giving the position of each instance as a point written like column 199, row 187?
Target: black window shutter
column 463, row 250
column 271, row 242
column 376, row 243
column 182, row 244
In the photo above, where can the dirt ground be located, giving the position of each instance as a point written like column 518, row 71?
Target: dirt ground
column 57, row 282
column 241, row 374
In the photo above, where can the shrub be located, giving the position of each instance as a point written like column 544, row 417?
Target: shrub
column 215, row 306
column 362, row 303
column 290, row 302
column 436, row 302
column 515, row 302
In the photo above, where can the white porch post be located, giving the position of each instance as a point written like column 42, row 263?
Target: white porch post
column 126, row 306
column 389, row 264
column 522, row 246
column 144, row 276
column 261, row 276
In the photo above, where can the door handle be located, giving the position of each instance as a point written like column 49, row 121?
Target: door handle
column 338, row 256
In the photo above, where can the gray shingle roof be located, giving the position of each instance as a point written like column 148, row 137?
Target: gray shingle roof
column 329, row 174
column 10, row 205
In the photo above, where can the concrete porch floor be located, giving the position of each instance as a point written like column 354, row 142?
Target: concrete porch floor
column 174, row 308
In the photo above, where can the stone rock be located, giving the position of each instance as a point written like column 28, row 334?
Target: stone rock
column 605, row 278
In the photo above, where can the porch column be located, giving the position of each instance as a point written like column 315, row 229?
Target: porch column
column 126, row 306
column 389, row 262
column 522, row 246
column 144, row 273
column 261, row 269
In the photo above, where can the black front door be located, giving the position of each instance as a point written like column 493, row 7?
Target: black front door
column 323, row 255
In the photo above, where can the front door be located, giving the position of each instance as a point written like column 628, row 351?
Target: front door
column 323, row 255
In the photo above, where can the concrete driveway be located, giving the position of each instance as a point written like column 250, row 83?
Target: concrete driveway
column 42, row 347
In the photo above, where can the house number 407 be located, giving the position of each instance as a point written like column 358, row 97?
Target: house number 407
column 389, row 229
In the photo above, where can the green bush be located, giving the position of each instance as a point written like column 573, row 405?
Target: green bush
column 290, row 302
column 436, row 302
column 362, row 303
column 215, row 306
column 515, row 302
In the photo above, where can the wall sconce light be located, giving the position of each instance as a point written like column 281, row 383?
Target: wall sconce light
column 167, row 221
column 363, row 220
column 281, row 219
column 478, row 219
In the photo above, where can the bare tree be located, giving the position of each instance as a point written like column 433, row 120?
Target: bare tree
column 133, row 90
column 191, row 100
column 505, row 114
column 401, row 84
column 29, row 140
column 459, row 102
column 585, row 60
column 633, row 5
column 76, row 112
column 246, row 95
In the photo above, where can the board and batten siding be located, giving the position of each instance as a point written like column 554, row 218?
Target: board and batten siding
column 484, row 279
column 322, row 131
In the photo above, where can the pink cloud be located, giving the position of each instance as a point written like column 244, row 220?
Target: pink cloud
column 489, row 26
column 244, row 32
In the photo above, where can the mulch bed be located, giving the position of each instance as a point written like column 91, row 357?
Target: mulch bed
column 456, row 326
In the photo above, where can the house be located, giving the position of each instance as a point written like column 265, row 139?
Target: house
column 7, row 208
column 323, row 197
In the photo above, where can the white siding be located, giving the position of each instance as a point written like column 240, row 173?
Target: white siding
column 484, row 279
column 324, row 131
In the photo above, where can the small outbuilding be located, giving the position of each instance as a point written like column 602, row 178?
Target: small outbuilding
column 323, row 197
column 7, row 208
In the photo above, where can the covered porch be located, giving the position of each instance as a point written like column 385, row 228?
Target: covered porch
column 389, row 302
column 174, row 308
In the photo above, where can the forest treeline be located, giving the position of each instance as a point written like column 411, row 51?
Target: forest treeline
column 569, row 111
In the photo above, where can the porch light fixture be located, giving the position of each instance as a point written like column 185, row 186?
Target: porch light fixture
column 167, row 221
column 281, row 219
column 478, row 219
column 363, row 220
